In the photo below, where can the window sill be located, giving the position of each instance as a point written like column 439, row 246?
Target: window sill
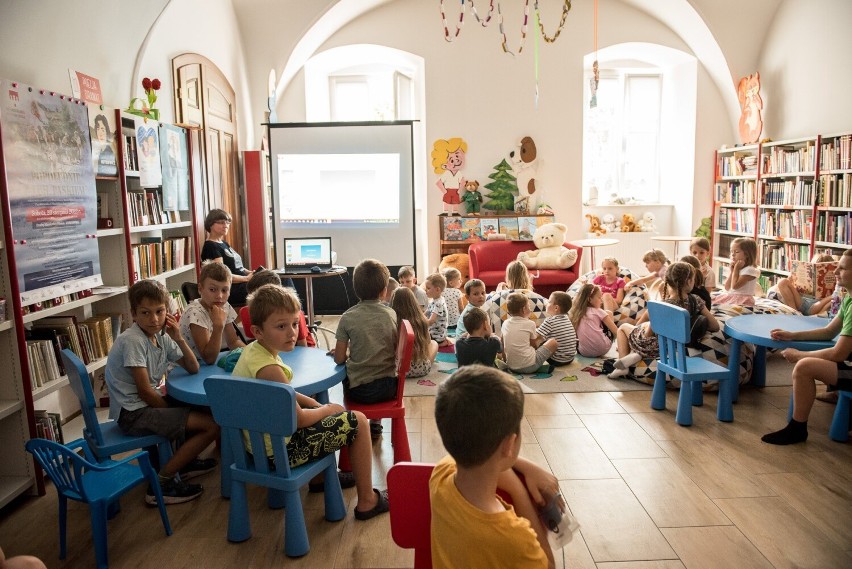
column 630, row 205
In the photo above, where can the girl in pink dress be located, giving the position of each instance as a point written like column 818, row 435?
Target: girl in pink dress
column 741, row 283
column 612, row 285
column 591, row 322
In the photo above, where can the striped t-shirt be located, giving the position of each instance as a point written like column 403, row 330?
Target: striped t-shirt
column 560, row 328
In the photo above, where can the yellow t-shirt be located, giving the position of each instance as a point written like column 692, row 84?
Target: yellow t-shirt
column 253, row 359
column 465, row 536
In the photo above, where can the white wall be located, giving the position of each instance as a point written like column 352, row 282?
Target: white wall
column 806, row 70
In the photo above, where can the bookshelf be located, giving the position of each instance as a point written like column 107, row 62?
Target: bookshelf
column 458, row 232
column 45, row 179
column 793, row 197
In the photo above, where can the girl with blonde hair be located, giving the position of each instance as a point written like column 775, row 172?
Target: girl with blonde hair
column 517, row 278
column 592, row 322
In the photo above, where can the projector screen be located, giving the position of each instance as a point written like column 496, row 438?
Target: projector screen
column 352, row 182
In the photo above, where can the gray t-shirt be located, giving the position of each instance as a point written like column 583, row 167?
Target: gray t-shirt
column 420, row 296
column 370, row 329
column 132, row 348
column 195, row 313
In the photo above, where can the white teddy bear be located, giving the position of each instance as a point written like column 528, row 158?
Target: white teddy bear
column 647, row 224
column 551, row 254
column 608, row 222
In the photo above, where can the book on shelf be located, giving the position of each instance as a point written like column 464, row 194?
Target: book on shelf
column 53, row 339
column 48, row 426
column 489, row 226
column 527, row 227
column 470, row 229
column 814, row 279
column 452, row 228
column 99, row 388
column 509, row 227
column 69, row 333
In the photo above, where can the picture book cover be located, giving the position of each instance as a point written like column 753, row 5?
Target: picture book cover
column 489, row 226
column 526, row 228
column 471, row 230
column 452, row 229
column 509, row 227
column 542, row 219
column 814, row 279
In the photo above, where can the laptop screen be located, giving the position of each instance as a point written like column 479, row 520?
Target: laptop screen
column 307, row 252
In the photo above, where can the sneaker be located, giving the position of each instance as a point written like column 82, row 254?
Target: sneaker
column 376, row 430
column 197, row 467
column 174, row 492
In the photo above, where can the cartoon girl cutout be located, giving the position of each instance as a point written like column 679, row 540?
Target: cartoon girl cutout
column 448, row 158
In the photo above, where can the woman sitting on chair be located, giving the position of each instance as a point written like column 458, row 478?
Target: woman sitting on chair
column 217, row 224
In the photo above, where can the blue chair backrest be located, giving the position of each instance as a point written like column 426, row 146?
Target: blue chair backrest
column 671, row 324
column 64, row 467
column 259, row 407
column 78, row 377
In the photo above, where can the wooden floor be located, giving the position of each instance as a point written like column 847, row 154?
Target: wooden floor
column 648, row 494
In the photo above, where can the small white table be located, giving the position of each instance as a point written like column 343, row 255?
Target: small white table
column 591, row 244
column 673, row 238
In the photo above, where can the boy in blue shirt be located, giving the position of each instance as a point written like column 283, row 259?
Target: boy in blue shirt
column 138, row 360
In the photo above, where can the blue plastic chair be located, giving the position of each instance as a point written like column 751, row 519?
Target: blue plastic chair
column 671, row 324
column 259, row 407
column 95, row 483
column 840, row 422
column 105, row 439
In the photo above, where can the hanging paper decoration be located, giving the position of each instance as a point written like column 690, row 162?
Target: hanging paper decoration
column 596, row 75
column 523, row 28
column 447, row 36
column 565, row 9
column 487, row 20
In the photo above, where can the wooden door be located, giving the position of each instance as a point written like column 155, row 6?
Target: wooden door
column 206, row 99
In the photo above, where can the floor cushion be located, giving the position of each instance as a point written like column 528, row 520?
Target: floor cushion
column 496, row 305
column 635, row 300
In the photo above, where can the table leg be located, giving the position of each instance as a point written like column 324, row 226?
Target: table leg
column 758, row 371
column 322, row 397
column 592, row 265
column 734, row 368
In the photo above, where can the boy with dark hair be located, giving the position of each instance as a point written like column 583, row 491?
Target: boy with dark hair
column 366, row 340
column 525, row 350
column 207, row 323
column 263, row 277
column 558, row 326
column 478, row 411
column 477, row 346
column 436, row 311
column 138, row 360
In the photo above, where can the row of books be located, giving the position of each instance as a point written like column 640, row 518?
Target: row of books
column 58, row 301
column 738, row 165
column 789, row 192
column 790, row 160
column 131, row 160
column 725, row 245
column 479, row 228
column 155, row 255
column 177, row 304
column 834, row 227
column 780, row 256
column 90, row 339
column 786, row 224
column 835, row 190
column 735, row 192
column 146, row 208
column 836, row 154
column 49, row 426
column 735, row 219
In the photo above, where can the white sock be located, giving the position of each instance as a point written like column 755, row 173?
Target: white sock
column 630, row 359
column 617, row 373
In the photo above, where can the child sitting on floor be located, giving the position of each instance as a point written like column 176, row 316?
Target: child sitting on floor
column 741, row 283
column 699, row 289
column 474, row 290
column 452, row 295
column 611, row 285
column 408, row 278
column 593, row 325
column 207, row 323
column 657, row 264
column 525, row 350
column 436, row 310
column 425, row 348
column 477, row 346
column 558, row 326
column 322, row 429
column 700, row 249
column 790, row 295
column 639, row 342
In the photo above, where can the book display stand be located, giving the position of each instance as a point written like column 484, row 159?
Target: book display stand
column 458, row 232
column 72, row 243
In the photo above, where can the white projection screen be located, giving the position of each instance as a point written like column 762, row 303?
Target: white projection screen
column 353, row 182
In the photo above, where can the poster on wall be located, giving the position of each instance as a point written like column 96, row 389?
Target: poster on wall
column 102, row 132
column 148, row 148
column 174, row 164
column 51, row 190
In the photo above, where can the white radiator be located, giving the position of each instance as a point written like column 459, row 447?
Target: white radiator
column 629, row 250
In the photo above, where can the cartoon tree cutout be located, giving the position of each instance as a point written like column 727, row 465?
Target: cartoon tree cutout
column 503, row 188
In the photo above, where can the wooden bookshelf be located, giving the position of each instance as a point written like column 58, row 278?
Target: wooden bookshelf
column 473, row 228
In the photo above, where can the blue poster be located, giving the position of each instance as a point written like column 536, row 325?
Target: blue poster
column 174, row 161
column 51, row 186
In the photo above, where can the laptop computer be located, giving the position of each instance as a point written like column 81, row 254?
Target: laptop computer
column 303, row 255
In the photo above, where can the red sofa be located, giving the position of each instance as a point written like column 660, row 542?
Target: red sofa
column 488, row 260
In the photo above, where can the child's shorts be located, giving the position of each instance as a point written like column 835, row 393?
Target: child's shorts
column 844, row 375
column 168, row 422
column 807, row 302
column 541, row 355
column 321, row 439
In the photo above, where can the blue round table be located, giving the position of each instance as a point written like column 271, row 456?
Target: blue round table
column 755, row 328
